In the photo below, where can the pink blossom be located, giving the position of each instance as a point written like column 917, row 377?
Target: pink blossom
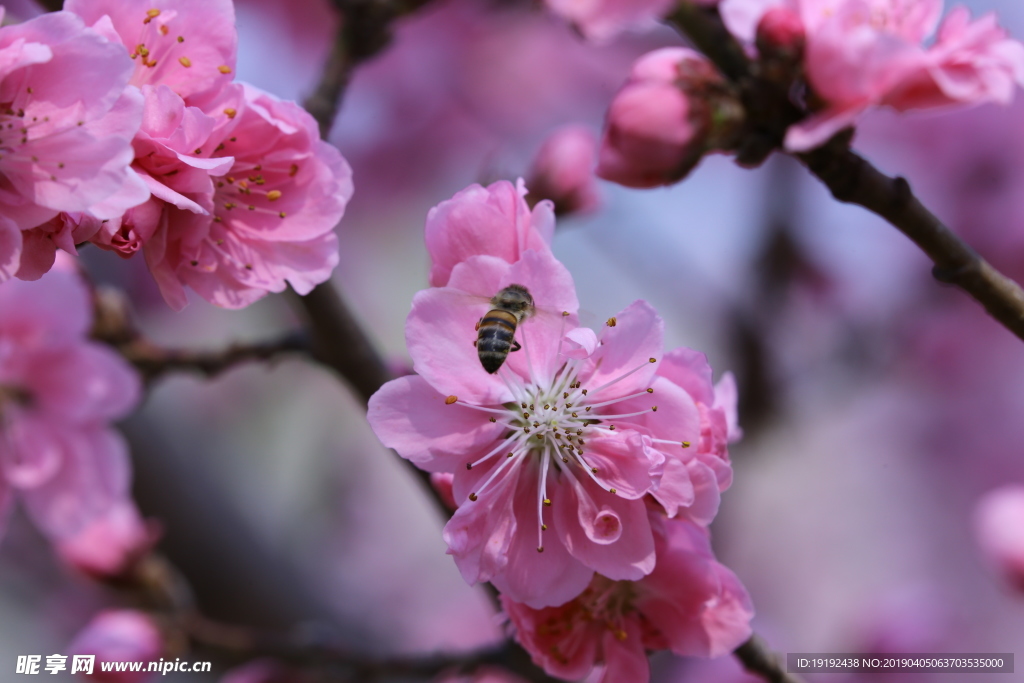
column 563, row 170
column 690, row 604
column 493, row 220
column 999, row 528
column 68, row 122
column 119, row 636
column 58, row 393
column 663, row 120
column 602, row 19
column 550, row 412
column 110, row 544
column 273, row 212
column 187, row 45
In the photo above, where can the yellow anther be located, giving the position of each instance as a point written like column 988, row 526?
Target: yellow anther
column 230, row 112
column 224, row 69
column 611, row 322
column 274, row 195
column 686, row 444
column 450, row 400
column 650, row 391
column 185, row 62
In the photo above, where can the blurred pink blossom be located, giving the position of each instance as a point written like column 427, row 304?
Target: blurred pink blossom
column 999, row 528
column 690, row 604
column 119, row 636
column 68, row 124
column 110, row 544
column 58, row 393
column 602, row 19
column 563, row 170
column 664, row 120
column 493, row 220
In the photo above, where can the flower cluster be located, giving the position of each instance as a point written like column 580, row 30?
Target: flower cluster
column 58, row 392
column 585, row 470
column 124, row 129
column 861, row 54
column 843, row 56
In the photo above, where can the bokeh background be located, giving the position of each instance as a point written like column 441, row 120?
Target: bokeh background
column 878, row 405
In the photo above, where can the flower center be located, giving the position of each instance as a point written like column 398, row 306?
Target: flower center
column 550, row 422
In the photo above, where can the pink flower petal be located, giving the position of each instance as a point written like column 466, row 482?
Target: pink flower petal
column 407, row 414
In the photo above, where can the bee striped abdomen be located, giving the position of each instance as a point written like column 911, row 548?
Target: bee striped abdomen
column 494, row 340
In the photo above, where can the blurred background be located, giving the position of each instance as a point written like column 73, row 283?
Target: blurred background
column 878, row 405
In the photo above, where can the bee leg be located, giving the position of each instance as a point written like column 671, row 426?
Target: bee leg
column 515, row 346
column 477, row 328
column 474, row 342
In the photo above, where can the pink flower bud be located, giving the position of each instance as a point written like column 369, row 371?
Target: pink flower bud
column 673, row 110
column 119, row 636
column 999, row 527
column 111, row 544
column 563, row 170
column 780, row 35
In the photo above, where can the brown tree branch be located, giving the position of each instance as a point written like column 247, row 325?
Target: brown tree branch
column 758, row 659
column 848, row 176
column 113, row 325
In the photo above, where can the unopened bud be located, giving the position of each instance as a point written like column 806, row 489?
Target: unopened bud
column 675, row 108
column 563, row 170
column 119, row 636
column 780, row 35
column 110, row 544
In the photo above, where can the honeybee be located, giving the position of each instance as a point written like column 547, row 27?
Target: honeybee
column 496, row 330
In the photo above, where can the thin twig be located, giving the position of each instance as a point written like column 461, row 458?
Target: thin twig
column 848, row 176
column 758, row 659
column 113, row 324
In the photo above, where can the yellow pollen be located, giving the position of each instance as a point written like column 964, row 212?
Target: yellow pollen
column 526, row 415
column 575, row 415
column 181, row 39
column 565, row 460
column 547, row 406
column 141, row 49
column 531, row 407
column 523, row 405
column 654, row 408
column 536, row 424
column 472, row 497
column 547, row 501
column 565, row 394
column 686, row 444
column 450, row 400
column 650, row 391
column 543, row 527
column 611, row 491
column 611, row 427
column 185, row 62
column 230, row 112
column 224, row 69
column 611, row 322
column 653, row 360
column 579, row 432
column 274, row 195
column 151, row 14
column 565, row 313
